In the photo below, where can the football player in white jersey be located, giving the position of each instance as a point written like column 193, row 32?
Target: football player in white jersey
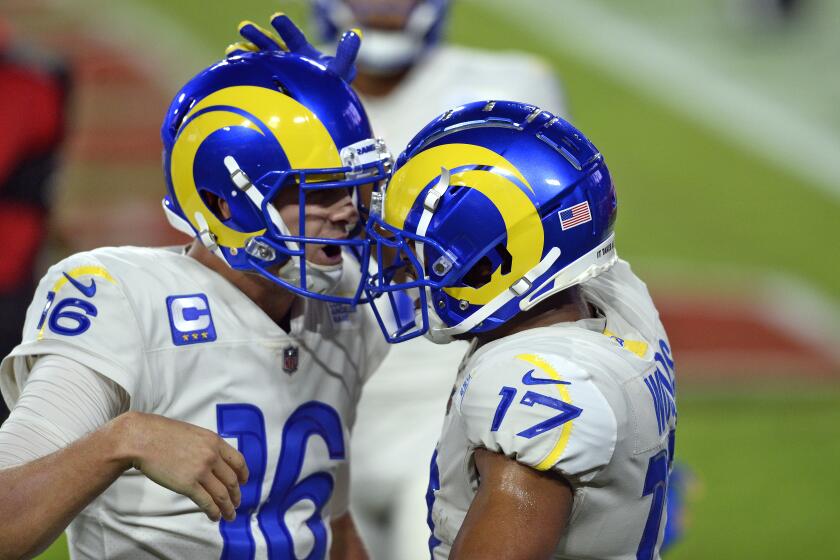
column 559, row 432
column 158, row 387
column 406, row 76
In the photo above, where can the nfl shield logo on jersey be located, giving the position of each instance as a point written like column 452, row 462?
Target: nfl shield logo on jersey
column 290, row 359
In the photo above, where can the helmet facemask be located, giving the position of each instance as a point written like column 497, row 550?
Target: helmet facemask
column 283, row 252
column 255, row 132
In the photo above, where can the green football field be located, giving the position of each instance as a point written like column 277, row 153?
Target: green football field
column 764, row 459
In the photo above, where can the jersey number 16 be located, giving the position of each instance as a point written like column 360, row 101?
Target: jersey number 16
column 245, row 423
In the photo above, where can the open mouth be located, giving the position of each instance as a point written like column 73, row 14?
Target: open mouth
column 330, row 254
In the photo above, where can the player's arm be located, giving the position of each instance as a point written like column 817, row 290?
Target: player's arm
column 544, row 411
column 53, row 470
column 346, row 544
column 518, row 513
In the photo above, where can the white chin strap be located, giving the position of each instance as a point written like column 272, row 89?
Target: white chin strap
column 204, row 235
column 320, row 279
column 590, row 265
column 437, row 331
column 430, row 204
column 586, row 267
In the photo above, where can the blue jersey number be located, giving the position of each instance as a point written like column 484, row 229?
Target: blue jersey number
column 245, row 423
column 434, row 486
column 656, row 485
column 567, row 411
column 69, row 317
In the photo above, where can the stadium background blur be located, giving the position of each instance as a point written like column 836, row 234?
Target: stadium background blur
column 719, row 121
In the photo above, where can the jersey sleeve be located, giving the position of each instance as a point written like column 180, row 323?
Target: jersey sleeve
column 80, row 311
column 61, row 402
column 542, row 410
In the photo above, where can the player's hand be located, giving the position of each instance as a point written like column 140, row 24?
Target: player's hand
column 290, row 38
column 187, row 459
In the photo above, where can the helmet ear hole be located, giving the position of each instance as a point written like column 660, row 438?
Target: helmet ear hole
column 480, row 274
column 216, row 204
column 507, row 259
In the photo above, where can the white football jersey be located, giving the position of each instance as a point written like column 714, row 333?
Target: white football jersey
column 591, row 400
column 449, row 76
column 411, row 386
column 186, row 344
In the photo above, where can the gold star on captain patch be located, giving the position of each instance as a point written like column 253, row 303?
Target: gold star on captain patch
column 195, row 336
column 204, row 335
column 186, row 337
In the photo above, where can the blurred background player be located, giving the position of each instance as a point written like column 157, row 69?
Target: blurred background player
column 406, row 76
column 33, row 94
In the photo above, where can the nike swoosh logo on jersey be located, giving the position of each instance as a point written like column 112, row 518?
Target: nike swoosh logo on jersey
column 88, row 291
column 529, row 379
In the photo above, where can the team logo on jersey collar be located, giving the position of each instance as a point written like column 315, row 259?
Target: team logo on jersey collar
column 190, row 319
column 290, row 359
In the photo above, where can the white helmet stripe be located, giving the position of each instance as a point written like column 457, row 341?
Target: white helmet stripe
column 243, row 183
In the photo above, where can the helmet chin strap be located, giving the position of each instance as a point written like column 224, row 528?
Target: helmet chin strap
column 438, row 330
column 588, row 266
column 593, row 263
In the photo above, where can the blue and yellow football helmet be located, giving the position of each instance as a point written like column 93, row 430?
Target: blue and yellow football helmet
column 245, row 129
column 493, row 207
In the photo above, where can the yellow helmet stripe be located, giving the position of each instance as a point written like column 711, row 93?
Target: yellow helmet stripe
column 305, row 140
column 522, row 221
column 408, row 182
column 524, row 231
column 306, row 143
column 183, row 179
